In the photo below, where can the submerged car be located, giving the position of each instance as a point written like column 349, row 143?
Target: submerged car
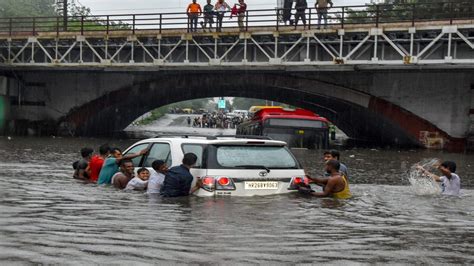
column 230, row 166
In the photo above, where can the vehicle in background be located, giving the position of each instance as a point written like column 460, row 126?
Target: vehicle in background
column 227, row 165
column 298, row 127
column 188, row 111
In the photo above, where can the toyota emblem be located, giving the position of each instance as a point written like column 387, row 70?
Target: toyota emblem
column 263, row 173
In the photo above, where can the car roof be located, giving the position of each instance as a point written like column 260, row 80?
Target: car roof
column 214, row 140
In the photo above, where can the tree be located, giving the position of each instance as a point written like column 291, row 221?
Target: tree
column 27, row 8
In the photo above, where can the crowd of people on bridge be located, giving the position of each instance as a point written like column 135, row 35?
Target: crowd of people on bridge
column 215, row 13
column 109, row 166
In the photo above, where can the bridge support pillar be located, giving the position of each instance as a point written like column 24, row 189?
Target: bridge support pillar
column 4, row 105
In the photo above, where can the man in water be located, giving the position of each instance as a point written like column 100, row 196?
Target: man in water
column 81, row 166
column 178, row 180
column 95, row 164
column 157, row 177
column 335, row 186
column 335, row 155
column 121, row 179
column 112, row 163
column 450, row 182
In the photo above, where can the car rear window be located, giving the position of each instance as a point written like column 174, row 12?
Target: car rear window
column 247, row 156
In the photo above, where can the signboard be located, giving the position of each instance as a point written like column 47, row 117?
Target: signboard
column 221, row 104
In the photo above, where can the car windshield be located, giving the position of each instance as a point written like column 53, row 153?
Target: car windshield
column 276, row 157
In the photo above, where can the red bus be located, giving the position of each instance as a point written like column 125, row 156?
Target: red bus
column 299, row 128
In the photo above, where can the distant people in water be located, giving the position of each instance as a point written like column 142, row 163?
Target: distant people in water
column 157, row 177
column 97, row 161
column 335, row 155
column 450, row 181
column 178, row 180
column 336, row 185
column 111, row 164
column 140, row 182
column 81, row 166
column 127, row 172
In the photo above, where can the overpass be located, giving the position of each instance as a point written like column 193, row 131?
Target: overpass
column 403, row 80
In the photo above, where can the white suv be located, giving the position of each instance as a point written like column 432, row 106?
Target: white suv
column 230, row 166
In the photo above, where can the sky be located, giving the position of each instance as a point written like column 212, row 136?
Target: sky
column 100, row 7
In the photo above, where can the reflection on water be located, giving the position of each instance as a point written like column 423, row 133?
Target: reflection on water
column 46, row 217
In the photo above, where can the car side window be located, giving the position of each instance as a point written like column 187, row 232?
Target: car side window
column 159, row 151
column 196, row 149
column 136, row 161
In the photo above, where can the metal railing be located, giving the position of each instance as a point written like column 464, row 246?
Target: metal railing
column 270, row 19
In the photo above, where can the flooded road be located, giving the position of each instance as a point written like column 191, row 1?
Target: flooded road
column 46, row 217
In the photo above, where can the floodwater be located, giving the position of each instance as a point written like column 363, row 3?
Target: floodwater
column 47, row 217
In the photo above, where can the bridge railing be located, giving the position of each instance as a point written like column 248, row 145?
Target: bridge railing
column 270, row 19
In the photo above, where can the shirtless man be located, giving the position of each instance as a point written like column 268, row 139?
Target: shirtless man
column 121, row 179
column 335, row 186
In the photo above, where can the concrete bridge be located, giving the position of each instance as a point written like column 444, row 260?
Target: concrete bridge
column 389, row 83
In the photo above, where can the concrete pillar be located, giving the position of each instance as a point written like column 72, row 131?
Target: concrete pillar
column 4, row 104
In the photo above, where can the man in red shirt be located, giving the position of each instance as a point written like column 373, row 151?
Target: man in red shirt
column 95, row 164
column 241, row 14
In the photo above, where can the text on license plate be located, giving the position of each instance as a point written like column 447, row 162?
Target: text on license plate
column 261, row 185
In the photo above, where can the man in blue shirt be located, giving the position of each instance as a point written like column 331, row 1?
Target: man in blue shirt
column 335, row 155
column 178, row 180
column 111, row 164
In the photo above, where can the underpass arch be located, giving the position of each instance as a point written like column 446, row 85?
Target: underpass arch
column 360, row 115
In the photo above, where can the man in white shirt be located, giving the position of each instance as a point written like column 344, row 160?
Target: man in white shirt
column 157, row 177
column 139, row 182
column 450, row 182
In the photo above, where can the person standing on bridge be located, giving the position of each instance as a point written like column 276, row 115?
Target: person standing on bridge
column 194, row 11
column 301, row 6
column 221, row 7
column 241, row 14
column 322, row 7
column 208, row 16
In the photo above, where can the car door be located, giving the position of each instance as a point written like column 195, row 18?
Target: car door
column 158, row 151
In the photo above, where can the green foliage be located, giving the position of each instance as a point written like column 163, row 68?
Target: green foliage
column 405, row 10
column 27, row 8
column 154, row 115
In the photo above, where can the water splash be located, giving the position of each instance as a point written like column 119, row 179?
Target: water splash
column 422, row 184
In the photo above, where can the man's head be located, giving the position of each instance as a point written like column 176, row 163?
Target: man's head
column 208, row 2
column 241, row 1
column 332, row 166
column 86, row 153
column 116, row 153
column 447, row 167
column 104, row 150
column 332, row 155
column 126, row 167
column 143, row 174
column 194, row 1
column 189, row 160
column 160, row 166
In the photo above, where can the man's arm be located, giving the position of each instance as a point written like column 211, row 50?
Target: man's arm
column 197, row 186
column 327, row 189
column 318, row 180
column 428, row 173
column 132, row 156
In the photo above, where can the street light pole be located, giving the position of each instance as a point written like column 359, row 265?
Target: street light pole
column 65, row 8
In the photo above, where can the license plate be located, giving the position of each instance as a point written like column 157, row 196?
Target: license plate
column 261, row 185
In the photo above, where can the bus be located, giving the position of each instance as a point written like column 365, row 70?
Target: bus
column 255, row 109
column 298, row 127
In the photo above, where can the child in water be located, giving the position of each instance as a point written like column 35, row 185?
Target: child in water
column 139, row 182
column 450, row 182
